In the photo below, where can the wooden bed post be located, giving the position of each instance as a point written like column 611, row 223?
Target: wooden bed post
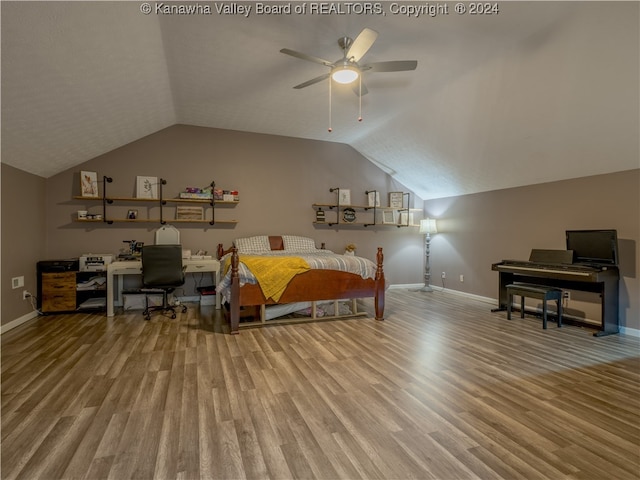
column 379, row 298
column 235, row 293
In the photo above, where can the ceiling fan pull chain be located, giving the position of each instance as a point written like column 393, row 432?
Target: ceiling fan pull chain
column 360, row 99
column 330, row 129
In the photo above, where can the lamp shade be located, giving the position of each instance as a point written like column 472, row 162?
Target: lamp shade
column 428, row 225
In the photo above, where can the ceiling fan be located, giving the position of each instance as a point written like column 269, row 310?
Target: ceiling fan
column 348, row 69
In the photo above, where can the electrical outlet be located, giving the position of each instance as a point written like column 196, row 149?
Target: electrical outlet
column 25, row 294
column 461, row 278
column 566, row 294
column 444, row 275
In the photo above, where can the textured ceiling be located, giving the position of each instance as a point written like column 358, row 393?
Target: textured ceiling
column 541, row 91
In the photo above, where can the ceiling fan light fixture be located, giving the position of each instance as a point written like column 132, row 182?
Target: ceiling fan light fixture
column 345, row 74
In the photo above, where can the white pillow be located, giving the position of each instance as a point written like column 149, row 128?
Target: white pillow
column 257, row 244
column 295, row 243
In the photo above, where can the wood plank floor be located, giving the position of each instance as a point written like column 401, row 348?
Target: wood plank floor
column 442, row 389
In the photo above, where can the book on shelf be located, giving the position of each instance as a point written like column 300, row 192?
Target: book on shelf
column 197, row 196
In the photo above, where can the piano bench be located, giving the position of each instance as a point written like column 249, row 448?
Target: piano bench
column 541, row 292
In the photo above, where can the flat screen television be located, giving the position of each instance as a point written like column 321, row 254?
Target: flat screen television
column 593, row 246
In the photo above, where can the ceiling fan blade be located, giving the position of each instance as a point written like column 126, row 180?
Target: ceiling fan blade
column 392, row 66
column 313, row 80
column 358, row 91
column 304, row 56
column 362, row 44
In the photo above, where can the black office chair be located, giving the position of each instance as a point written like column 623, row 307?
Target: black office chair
column 162, row 271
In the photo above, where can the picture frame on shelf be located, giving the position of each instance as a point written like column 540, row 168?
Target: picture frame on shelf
column 146, row 187
column 407, row 219
column 373, row 198
column 132, row 215
column 344, row 197
column 349, row 215
column 88, row 184
column 389, row 217
column 184, row 212
column 396, row 199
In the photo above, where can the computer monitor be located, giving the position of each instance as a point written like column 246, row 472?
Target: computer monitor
column 598, row 247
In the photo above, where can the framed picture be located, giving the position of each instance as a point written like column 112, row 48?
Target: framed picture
column 88, row 184
column 189, row 213
column 395, row 199
column 147, row 187
column 374, row 198
column 345, row 196
column 406, row 218
column 349, row 215
column 132, row 214
column 389, row 216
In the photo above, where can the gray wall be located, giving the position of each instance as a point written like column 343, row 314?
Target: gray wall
column 23, row 237
column 481, row 229
column 278, row 179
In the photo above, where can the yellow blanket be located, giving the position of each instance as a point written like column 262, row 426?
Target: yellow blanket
column 273, row 274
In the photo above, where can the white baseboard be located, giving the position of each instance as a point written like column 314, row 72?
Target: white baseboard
column 410, row 286
column 17, row 322
column 632, row 332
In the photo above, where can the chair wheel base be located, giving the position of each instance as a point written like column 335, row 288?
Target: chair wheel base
column 169, row 311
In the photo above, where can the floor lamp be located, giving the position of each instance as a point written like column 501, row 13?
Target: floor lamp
column 427, row 227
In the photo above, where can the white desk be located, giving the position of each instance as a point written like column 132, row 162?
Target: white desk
column 134, row 267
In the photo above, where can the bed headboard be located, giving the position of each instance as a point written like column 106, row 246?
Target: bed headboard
column 263, row 243
column 276, row 242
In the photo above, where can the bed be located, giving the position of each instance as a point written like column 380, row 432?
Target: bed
column 301, row 273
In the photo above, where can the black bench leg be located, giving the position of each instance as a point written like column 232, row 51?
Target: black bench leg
column 522, row 297
column 544, row 313
column 509, row 302
column 559, row 312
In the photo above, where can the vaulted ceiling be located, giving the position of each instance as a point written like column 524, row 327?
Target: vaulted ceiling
column 536, row 92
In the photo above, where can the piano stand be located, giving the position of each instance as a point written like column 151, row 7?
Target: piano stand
column 535, row 291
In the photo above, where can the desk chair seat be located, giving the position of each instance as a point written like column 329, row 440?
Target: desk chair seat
column 162, row 271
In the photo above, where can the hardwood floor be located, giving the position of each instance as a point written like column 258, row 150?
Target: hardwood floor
column 442, row 389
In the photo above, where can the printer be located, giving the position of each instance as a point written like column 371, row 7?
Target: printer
column 95, row 262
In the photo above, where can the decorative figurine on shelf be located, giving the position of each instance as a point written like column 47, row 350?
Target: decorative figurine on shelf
column 350, row 249
column 320, row 216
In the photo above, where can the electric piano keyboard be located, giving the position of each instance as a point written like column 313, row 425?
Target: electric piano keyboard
column 548, row 268
column 599, row 279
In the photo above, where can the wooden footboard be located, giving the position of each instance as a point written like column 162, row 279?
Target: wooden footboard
column 313, row 285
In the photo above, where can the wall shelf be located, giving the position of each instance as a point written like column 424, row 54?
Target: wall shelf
column 374, row 215
column 160, row 202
